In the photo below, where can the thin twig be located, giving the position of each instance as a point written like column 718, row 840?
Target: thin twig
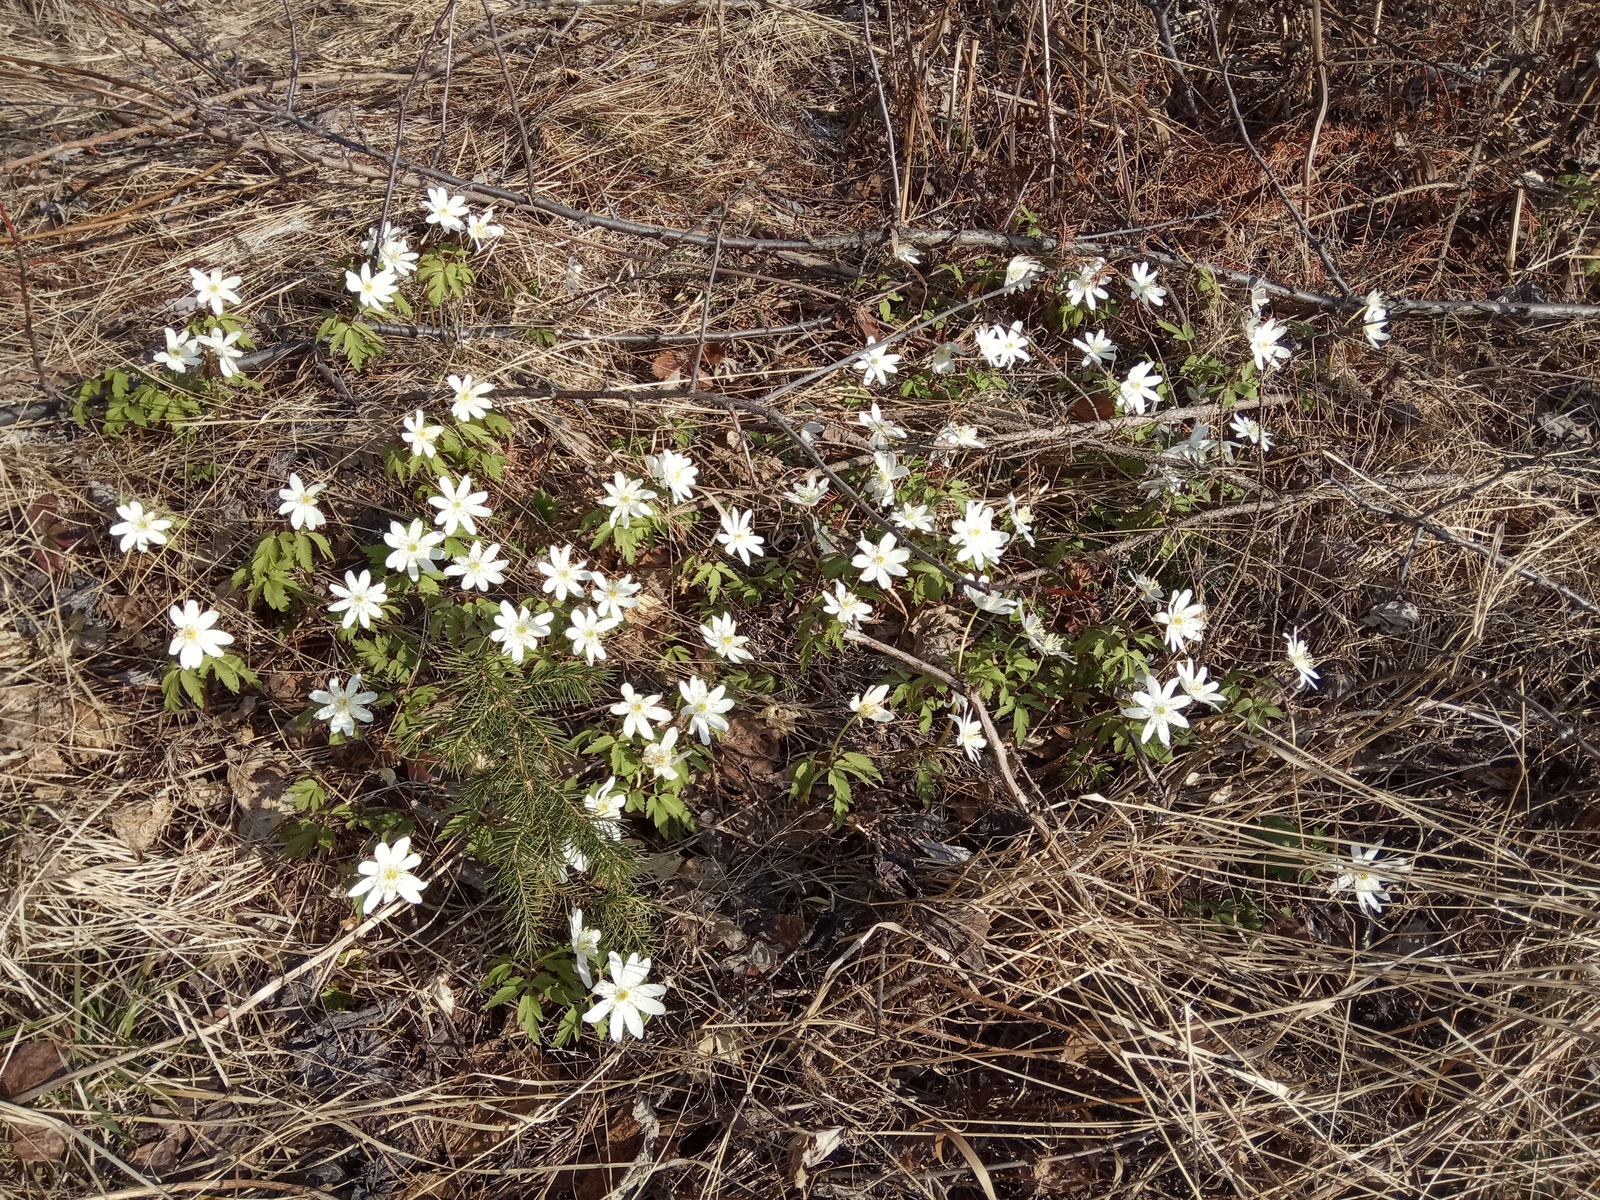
column 27, row 302
column 399, row 129
column 294, row 60
column 883, row 107
column 1168, row 48
column 511, row 94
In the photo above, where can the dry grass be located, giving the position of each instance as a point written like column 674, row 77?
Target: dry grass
column 1156, row 1001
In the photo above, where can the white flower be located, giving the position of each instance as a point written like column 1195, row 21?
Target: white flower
column 963, row 437
column 213, row 290
column 1159, row 479
column 1184, row 619
column 975, row 538
column 1149, row 590
column 613, row 597
column 604, row 805
column 300, row 503
column 1258, row 297
column 458, row 505
column 1300, row 659
column 969, row 735
column 467, row 401
column 481, row 228
column 478, row 567
column 627, row 499
column 182, row 351
column 737, row 536
column 139, row 528
column 359, row 599
column 413, row 548
column 1369, row 883
column 1247, row 429
column 882, row 430
column 563, row 577
column 1139, row 388
column 1159, row 709
column 1196, row 686
column 343, row 705
column 998, row 603
column 639, row 713
column 704, row 708
column 660, row 756
column 878, row 561
column 225, row 348
column 873, row 704
column 518, row 630
column 1374, row 318
column 1042, row 639
column 1097, row 349
column 1021, row 516
column 585, row 630
column 1195, row 448
column 875, row 363
column 572, row 857
column 675, row 472
column 943, row 359
column 1265, row 347
column 845, row 606
column 808, row 494
column 810, row 430
column 1142, row 283
column 626, row 997
column 445, row 210
column 1021, row 271
column 908, row 254
column 1085, row 290
column 374, row 291
column 723, row 636
column 421, row 436
column 886, row 472
column 194, row 637
column 585, row 946
column 915, row 518
column 394, row 255
column 388, row 875
column 1001, row 347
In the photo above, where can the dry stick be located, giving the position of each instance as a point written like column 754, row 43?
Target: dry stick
column 511, row 94
column 1170, row 49
column 382, row 234
column 621, row 339
column 27, row 302
column 1322, row 87
column 965, row 689
column 1244, row 132
column 883, row 107
column 705, row 322
column 294, row 60
column 444, row 95
column 254, row 1000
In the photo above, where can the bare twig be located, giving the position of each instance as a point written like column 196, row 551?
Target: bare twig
column 647, row 338
column 27, row 303
column 1170, row 49
column 883, row 108
column 511, row 94
column 294, row 59
column 400, row 127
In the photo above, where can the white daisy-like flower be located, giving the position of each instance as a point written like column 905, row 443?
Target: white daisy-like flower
column 300, row 503
column 1142, row 285
column 998, row 603
column 182, row 351
column 873, row 704
column 613, row 597
column 212, row 290
column 1300, row 659
column 585, row 942
column 808, row 494
column 1159, row 480
column 662, row 758
column 1248, row 429
column 627, row 499
column 958, row 437
column 738, row 537
column 481, row 228
column 394, row 255
column 943, row 359
column 975, row 538
column 138, row 528
column 1138, row 389
column 1375, row 320
column 875, row 363
column 703, row 707
column 675, row 472
column 444, row 210
column 627, row 998
column 388, row 875
column 1149, row 590
column 343, row 704
column 359, row 599
column 640, row 713
column 420, row 436
column 1185, row 620
column 563, row 577
column 969, row 735
column 225, row 347
column 459, row 506
column 1021, row 517
column 519, row 630
column 1195, row 448
column 195, row 637
column 880, row 560
column 467, row 398
column 913, row 518
column 585, row 632
column 1159, row 709
column 1021, row 272
column 845, row 606
column 722, row 634
column 1002, row 346
column 886, row 473
column 478, row 567
column 881, row 429
column 1098, row 349
column 373, row 291
column 604, row 804
column 413, row 548
column 1266, row 344
column 1196, row 686
column 1366, row 880
column 908, row 254
column 1085, row 290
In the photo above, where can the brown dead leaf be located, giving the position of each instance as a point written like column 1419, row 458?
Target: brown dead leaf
column 958, row 929
column 129, row 612
column 41, row 721
column 258, row 785
column 28, row 1067
column 139, row 824
column 56, row 534
column 161, row 1157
